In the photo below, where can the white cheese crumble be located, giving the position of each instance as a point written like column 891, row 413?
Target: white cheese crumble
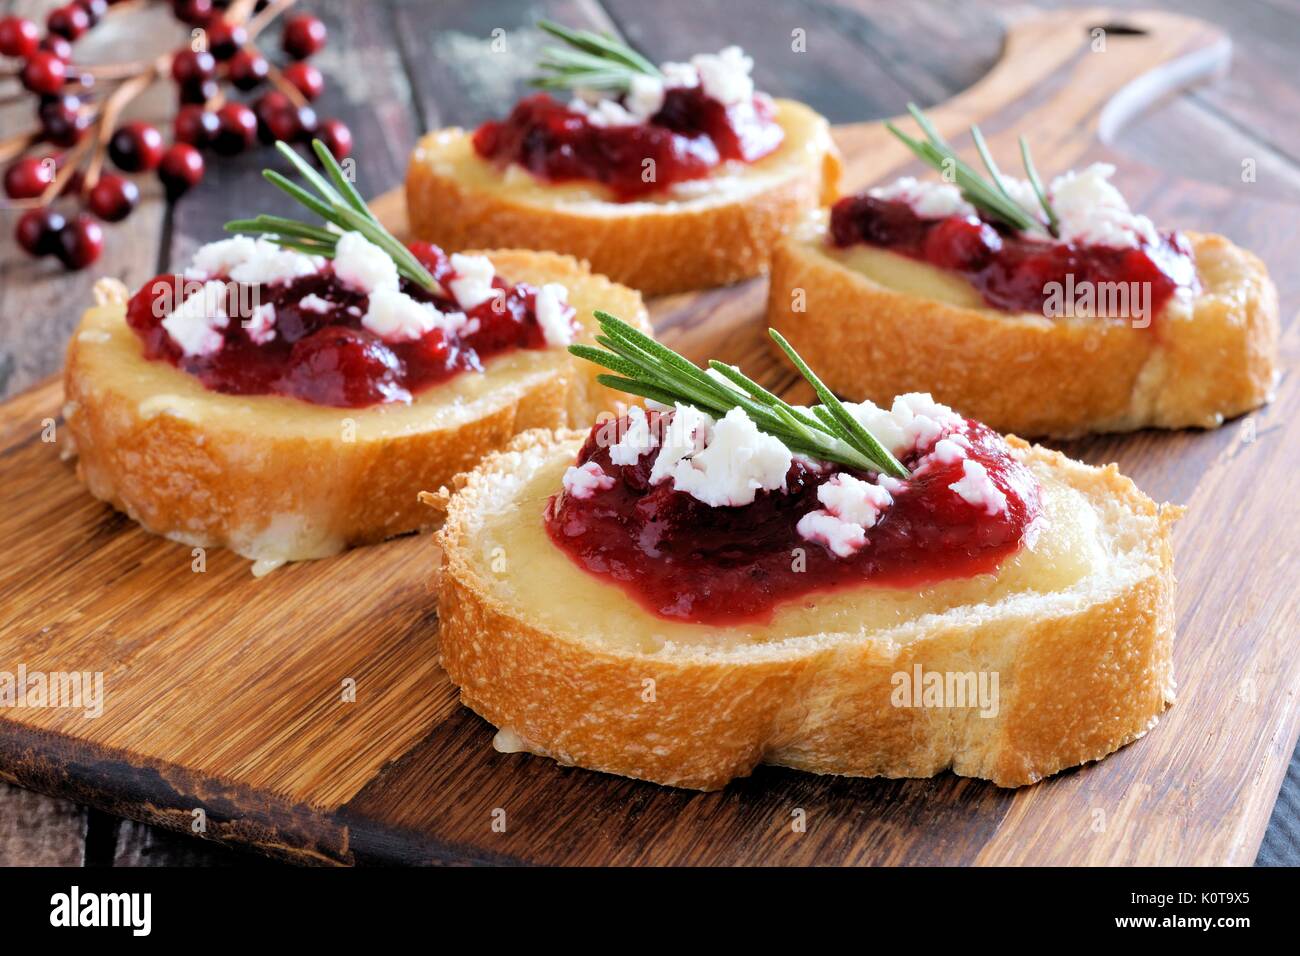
column 472, row 285
column 554, row 315
column 914, row 421
column 251, row 261
column 737, row 462
column 977, row 488
column 687, row 433
column 645, row 96
column 395, row 317
column 724, row 76
column 851, row 507
column 606, row 113
column 586, row 481
column 260, row 326
column 844, row 538
column 1091, row 210
column 947, row 452
column 194, row 326
column 636, row 440
column 314, row 303
column 929, row 200
column 362, row 265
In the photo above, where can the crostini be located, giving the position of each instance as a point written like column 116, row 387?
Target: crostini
column 718, row 580
column 1043, row 311
column 663, row 178
column 288, row 395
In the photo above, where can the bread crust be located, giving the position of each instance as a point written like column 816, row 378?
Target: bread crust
column 1079, row 679
column 276, row 479
column 654, row 247
column 1198, row 363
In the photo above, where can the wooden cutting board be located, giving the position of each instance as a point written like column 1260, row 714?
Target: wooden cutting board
column 227, row 705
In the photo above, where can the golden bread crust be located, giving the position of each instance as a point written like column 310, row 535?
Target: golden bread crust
column 276, row 479
column 1196, row 365
column 1079, row 677
column 654, row 247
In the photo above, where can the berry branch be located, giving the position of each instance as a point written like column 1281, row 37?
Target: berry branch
column 79, row 107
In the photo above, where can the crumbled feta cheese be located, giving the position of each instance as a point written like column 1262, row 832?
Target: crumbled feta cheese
column 275, row 264
column 604, row 113
column 395, row 317
column 977, row 488
column 361, row 264
column 251, row 261
column 915, row 421
column 679, row 75
column 636, row 440
column 554, row 315
column 1022, row 191
column 688, row 432
column 844, row 538
column 472, row 285
column 260, row 326
column 891, row 484
column 738, row 461
column 314, row 303
column 724, row 76
column 645, row 96
column 854, row 499
column 586, row 481
column 194, row 326
column 929, row 200
column 947, row 452
column 1091, row 210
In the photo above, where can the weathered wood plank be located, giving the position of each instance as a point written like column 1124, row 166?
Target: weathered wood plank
column 36, row 830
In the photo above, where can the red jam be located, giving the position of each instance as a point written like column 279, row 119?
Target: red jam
column 327, row 357
column 686, row 561
column 689, row 136
column 1010, row 271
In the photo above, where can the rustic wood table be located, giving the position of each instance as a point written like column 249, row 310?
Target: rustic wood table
column 398, row 67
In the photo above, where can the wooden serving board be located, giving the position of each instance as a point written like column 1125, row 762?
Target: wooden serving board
column 226, row 698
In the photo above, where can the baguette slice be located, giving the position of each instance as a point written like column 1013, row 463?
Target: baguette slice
column 699, row 234
column 276, row 479
column 875, row 324
column 1078, row 628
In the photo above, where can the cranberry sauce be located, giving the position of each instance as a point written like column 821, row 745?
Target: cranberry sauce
column 324, row 355
column 684, row 560
column 1010, row 271
column 689, row 136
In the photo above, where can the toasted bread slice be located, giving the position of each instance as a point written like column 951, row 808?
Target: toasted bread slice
column 875, row 324
column 696, row 235
column 1078, row 629
column 277, row 479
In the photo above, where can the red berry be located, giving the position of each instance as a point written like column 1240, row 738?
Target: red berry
column 237, row 129
column 69, row 22
column 248, row 69
column 18, row 37
column 181, row 169
column 342, row 366
column 225, row 39
column 53, row 43
column 113, row 198
column 306, row 78
column 195, row 125
column 44, row 73
column 193, row 66
column 28, row 177
column 336, row 137
column 193, row 12
column 274, row 116
column 305, row 123
column 304, row 35
column 38, row 231
column 136, row 147
column 95, row 9
column 80, row 242
column 961, row 243
column 62, row 122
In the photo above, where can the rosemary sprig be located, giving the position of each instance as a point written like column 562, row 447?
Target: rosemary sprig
column 646, row 368
column 590, row 61
column 992, row 197
column 336, row 201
